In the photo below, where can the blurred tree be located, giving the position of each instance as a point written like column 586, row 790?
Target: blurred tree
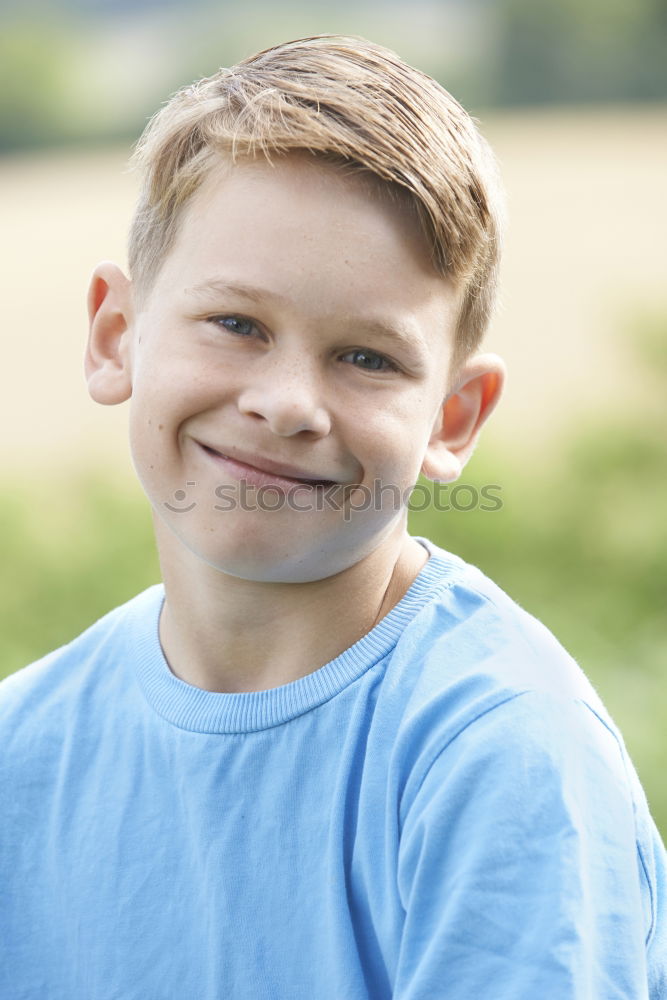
column 79, row 69
column 33, row 74
column 564, row 50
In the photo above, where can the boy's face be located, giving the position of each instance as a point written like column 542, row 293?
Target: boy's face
column 287, row 371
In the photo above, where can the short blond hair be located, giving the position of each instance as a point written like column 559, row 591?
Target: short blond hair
column 351, row 102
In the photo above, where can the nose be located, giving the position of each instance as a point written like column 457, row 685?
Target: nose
column 288, row 398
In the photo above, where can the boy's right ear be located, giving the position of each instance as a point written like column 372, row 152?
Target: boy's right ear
column 110, row 314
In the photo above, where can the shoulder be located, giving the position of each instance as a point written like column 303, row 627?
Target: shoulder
column 43, row 690
column 498, row 732
column 472, row 648
column 474, row 678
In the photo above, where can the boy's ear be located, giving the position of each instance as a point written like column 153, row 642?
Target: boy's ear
column 478, row 387
column 110, row 314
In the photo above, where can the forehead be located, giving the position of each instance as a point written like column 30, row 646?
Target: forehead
column 306, row 194
column 318, row 239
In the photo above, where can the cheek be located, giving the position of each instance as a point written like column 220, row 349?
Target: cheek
column 154, row 419
column 395, row 443
column 164, row 395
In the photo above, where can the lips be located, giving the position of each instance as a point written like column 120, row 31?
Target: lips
column 264, row 472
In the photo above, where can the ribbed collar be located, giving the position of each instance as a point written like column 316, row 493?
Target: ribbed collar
column 192, row 708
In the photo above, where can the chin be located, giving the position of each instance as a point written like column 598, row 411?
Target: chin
column 261, row 553
column 267, row 550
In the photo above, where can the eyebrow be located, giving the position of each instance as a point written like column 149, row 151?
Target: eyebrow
column 405, row 337
column 250, row 292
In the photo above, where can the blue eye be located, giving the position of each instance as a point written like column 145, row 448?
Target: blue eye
column 369, row 361
column 235, row 324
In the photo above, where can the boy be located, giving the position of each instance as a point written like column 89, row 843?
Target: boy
column 325, row 760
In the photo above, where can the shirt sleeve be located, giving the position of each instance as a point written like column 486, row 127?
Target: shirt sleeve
column 519, row 870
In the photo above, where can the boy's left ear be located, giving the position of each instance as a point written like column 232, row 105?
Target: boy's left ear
column 478, row 387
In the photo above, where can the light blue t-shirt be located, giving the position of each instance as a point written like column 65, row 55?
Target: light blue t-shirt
column 443, row 811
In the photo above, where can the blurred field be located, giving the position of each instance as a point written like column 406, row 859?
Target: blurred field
column 578, row 445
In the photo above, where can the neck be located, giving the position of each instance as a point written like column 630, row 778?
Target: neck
column 226, row 634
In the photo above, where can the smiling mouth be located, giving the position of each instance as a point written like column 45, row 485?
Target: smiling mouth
column 266, row 474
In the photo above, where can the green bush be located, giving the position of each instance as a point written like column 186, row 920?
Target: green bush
column 73, row 552
column 34, row 63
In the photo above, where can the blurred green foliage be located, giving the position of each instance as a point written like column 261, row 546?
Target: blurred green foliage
column 33, row 69
column 88, row 69
column 74, row 550
column 565, row 50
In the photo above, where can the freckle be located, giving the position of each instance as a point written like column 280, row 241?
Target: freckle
column 150, row 422
column 152, row 466
column 160, row 426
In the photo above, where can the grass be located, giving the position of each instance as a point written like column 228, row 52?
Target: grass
column 74, row 554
